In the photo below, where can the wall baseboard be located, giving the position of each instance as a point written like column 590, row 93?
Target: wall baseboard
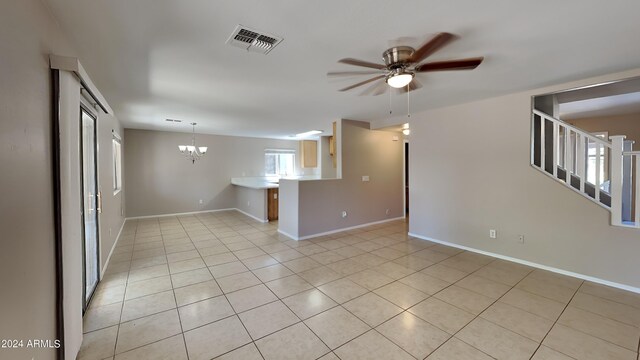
column 306, row 237
column 251, row 216
column 179, row 214
column 532, row 264
column 115, row 243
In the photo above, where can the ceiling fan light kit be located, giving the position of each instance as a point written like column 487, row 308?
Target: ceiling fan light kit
column 402, row 63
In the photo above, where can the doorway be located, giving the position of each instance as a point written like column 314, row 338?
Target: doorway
column 406, row 179
column 91, row 203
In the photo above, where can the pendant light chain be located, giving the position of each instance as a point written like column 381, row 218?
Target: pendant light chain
column 408, row 103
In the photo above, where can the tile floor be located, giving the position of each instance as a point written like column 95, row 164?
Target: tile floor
column 223, row 286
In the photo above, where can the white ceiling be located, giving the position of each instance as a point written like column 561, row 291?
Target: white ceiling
column 157, row 59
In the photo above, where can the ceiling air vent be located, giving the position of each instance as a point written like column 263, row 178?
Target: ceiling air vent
column 253, row 40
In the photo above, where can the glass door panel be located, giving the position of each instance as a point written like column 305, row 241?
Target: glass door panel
column 90, row 205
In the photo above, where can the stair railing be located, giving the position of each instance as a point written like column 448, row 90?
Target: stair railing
column 570, row 161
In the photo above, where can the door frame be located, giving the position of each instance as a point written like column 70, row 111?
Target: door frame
column 85, row 108
column 405, row 167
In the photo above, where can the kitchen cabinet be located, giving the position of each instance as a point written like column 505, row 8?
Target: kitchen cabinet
column 272, row 204
column 309, row 149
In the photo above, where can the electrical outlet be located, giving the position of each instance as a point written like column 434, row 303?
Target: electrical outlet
column 344, row 214
column 493, row 234
column 248, row 203
column 109, row 231
column 521, row 239
column 388, row 212
column 201, row 201
column 365, row 178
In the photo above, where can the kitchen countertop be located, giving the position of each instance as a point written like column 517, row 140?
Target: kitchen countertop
column 259, row 183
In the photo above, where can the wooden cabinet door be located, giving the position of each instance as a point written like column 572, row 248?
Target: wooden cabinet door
column 309, row 150
column 272, row 204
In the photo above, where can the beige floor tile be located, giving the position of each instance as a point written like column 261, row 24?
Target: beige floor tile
column 547, row 289
column 497, row 341
column 98, row 344
column 190, row 277
column 464, row 265
column 330, row 356
column 389, row 253
column 347, row 267
column 455, row 349
column 414, row 335
column 425, row 283
column 186, row 265
column 497, row 274
column 370, row 259
column 196, row 292
column 204, row 312
column 249, row 298
column 147, row 262
column 301, row 264
column 172, row 348
column 248, row 253
column 582, row 346
column 370, row 279
column 288, row 286
column 147, row 305
column 148, row 273
column 274, row 248
column 556, row 279
column 241, row 245
column 445, row 273
column 393, row 270
column 320, row 275
column 183, row 255
column 222, row 258
column 237, row 282
column 535, row 304
column 607, row 308
column 400, row 294
column 431, row 255
column 101, row 317
column 287, row 255
column 483, row 286
column 372, row 309
column 327, row 257
column 106, row 296
column 342, row 290
column 229, row 334
column 413, row 262
column 442, row 315
column 259, row 261
column 272, row 272
column 519, row 321
column 294, row 342
column 230, row 268
column 213, row 250
column 601, row 327
column 309, row 303
column 151, row 286
column 267, row 319
column 247, row 352
column 336, row 326
column 609, row 293
column 464, row 299
column 147, row 330
column 545, row 353
column 351, row 251
column 371, row 345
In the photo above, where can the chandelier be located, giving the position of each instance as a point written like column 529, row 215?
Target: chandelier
column 192, row 152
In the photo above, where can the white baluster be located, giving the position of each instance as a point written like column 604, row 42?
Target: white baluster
column 582, row 159
column 598, row 179
column 637, row 178
column 556, row 139
column 567, row 156
column 543, row 144
column 616, row 177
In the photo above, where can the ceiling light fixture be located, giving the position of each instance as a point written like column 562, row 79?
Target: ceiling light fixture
column 400, row 78
column 406, row 132
column 192, row 152
column 309, row 133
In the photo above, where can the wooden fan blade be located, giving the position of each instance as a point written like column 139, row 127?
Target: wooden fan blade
column 352, row 73
column 462, row 64
column 362, row 83
column 375, row 89
column 431, row 46
column 356, row 62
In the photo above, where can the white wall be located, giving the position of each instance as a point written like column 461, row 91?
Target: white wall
column 320, row 203
column 27, row 258
column 470, row 172
column 161, row 181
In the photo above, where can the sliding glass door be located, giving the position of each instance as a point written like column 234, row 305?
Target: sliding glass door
column 91, row 203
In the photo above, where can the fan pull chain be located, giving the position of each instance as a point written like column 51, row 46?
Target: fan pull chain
column 408, row 103
column 390, row 110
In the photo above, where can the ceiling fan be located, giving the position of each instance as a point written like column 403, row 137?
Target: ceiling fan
column 402, row 63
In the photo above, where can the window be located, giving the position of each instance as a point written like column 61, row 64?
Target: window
column 594, row 152
column 279, row 162
column 117, row 163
